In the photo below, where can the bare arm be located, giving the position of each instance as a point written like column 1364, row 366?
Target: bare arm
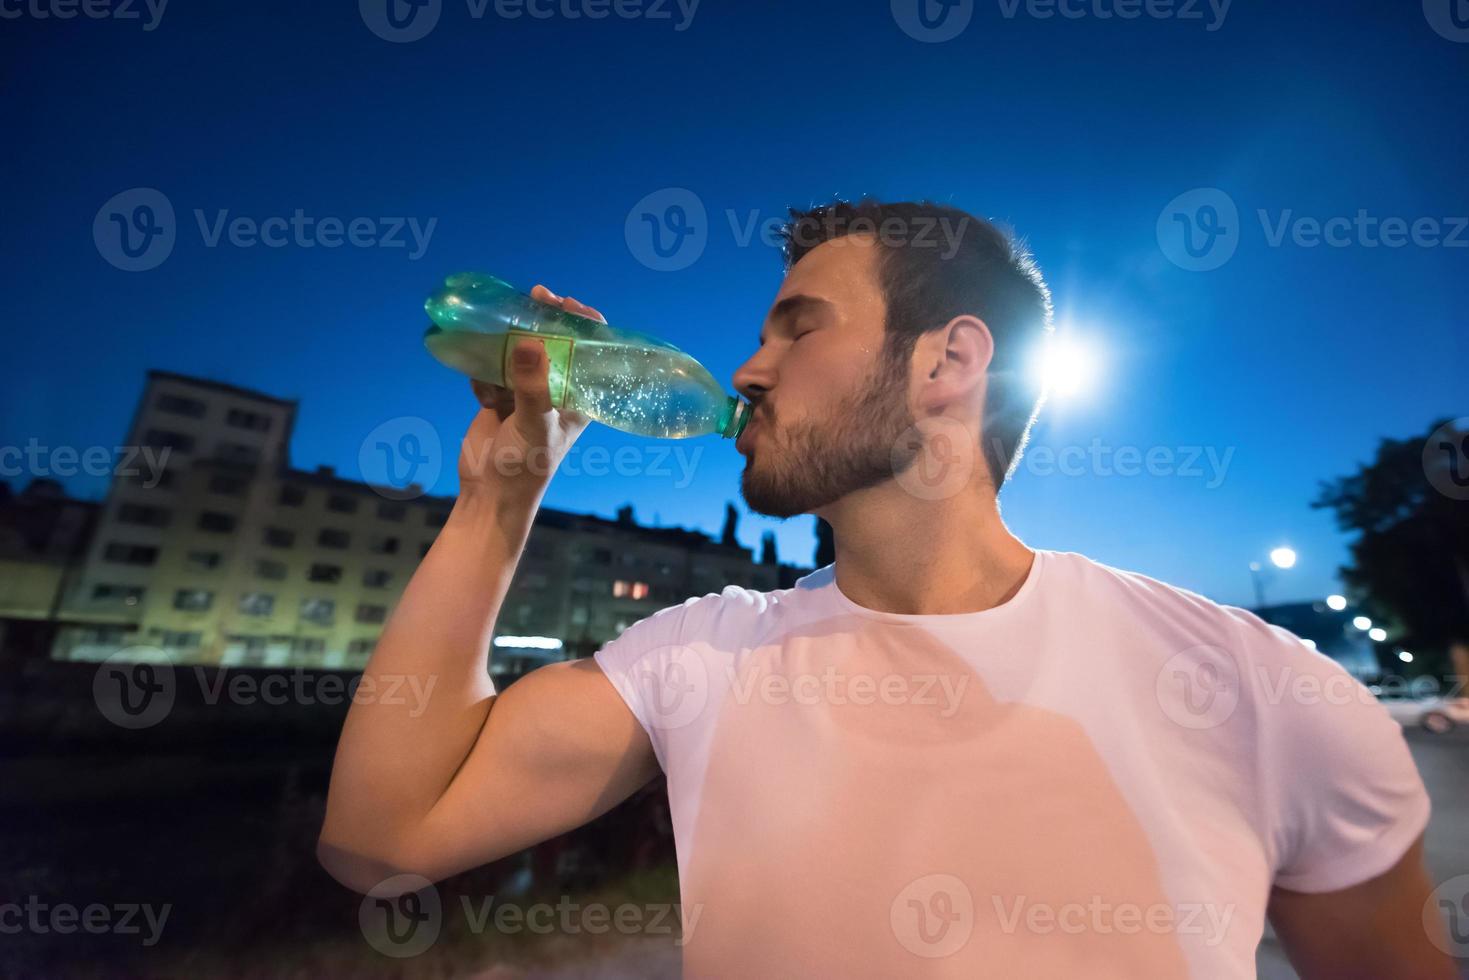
column 1372, row 930
column 457, row 776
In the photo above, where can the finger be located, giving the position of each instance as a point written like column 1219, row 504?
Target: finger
column 544, row 295
column 529, row 370
column 581, row 309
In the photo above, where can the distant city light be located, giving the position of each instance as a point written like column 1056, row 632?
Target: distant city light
column 1337, row 602
column 1405, row 656
column 1283, row 557
column 1377, row 633
column 528, row 642
column 1362, row 623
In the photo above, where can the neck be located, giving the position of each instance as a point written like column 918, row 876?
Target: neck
column 900, row 554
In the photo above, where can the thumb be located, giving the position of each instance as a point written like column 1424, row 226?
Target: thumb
column 529, row 370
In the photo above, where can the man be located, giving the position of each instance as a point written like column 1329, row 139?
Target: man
column 947, row 754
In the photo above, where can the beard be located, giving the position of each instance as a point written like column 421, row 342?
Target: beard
column 859, row 444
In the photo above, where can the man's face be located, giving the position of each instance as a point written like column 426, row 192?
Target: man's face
column 828, row 408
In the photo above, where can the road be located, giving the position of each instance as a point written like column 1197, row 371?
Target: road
column 1444, row 764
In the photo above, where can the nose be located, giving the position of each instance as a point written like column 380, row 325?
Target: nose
column 754, row 378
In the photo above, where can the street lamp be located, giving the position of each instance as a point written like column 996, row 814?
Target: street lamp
column 1362, row 623
column 1336, row 603
column 1281, row 557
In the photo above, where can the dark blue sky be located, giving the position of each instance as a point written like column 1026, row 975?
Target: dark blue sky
column 529, row 141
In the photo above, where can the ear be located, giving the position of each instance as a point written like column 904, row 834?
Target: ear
column 955, row 360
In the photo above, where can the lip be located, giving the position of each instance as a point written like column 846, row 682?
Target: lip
column 743, row 442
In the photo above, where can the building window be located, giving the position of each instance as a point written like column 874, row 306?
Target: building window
column 318, row 611
column 232, row 486
column 584, row 585
column 639, row 590
column 390, row 510
column 423, row 548
column 435, row 518
column 381, row 545
column 292, row 495
column 180, row 640
column 257, row 604
column 149, row 478
column 368, row 613
column 127, row 594
column 253, row 421
column 307, row 644
column 331, row 537
column 130, row 554
column 620, row 588
column 144, row 515
column 341, row 503
column 360, row 647
column 201, row 561
column 272, row 570
column 329, row 574
column 168, row 439
column 193, row 600
column 278, row 537
column 237, row 452
column 578, row 615
column 376, row 578
column 191, row 408
column 602, row 556
column 213, row 520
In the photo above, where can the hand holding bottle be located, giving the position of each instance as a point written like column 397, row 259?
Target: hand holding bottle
column 517, row 438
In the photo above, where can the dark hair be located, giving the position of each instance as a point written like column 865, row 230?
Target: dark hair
column 936, row 263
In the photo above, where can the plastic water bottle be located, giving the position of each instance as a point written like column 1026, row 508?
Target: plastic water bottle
column 621, row 378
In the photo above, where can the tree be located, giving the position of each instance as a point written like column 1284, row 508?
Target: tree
column 731, row 521
column 1409, row 508
column 768, row 554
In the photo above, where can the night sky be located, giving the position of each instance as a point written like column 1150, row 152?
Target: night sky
column 529, row 147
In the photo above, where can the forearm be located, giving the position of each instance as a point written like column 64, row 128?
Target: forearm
column 398, row 753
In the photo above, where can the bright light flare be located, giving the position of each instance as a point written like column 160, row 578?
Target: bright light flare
column 1283, row 557
column 1405, row 656
column 1362, row 623
column 1377, row 633
column 1067, row 366
column 1336, row 602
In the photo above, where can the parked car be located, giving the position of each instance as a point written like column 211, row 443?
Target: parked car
column 1437, row 715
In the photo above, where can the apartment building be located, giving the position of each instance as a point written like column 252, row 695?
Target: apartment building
column 218, row 551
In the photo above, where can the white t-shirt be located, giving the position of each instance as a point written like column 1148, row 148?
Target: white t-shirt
column 1101, row 777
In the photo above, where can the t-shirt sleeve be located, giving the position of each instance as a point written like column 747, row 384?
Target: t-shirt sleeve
column 654, row 673
column 1346, row 798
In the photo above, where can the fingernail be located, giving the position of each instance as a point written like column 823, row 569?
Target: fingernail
column 525, row 356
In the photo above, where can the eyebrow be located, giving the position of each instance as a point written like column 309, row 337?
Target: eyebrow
column 792, row 306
